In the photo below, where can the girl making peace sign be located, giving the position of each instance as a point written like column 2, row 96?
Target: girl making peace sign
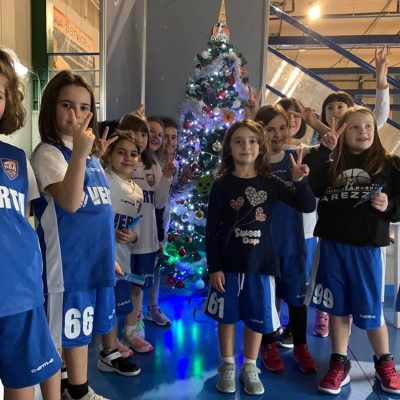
column 241, row 256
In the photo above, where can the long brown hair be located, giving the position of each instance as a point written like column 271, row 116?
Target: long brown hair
column 48, row 108
column 262, row 165
column 377, row 156
column 14, row 113
column 136, row 123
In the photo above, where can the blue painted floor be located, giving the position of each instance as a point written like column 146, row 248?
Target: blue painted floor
column 184, row 362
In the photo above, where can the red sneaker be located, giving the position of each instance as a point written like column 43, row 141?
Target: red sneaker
column 337, row 376
column 385, row 371
column 304, row 359
column 270, row 357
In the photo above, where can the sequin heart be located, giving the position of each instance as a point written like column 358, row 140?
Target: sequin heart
column 255, row 198
column 260, row 216
column 237, row 204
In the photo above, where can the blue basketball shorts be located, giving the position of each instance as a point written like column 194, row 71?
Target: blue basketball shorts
column 249, row 298
column 74, row 317
column 292, row 285
column 348, row 280
column 123, row 298
column 144, row 265
column 27, row 352
column 311, row 246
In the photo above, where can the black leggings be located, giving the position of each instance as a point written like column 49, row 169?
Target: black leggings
column 298, row 323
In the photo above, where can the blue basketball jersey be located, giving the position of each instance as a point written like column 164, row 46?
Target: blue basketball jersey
column 21, row 286
column 287, row 223
column 78, row 248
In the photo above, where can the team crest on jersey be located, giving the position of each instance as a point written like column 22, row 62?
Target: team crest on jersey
column 10, row 167
column 151, row 179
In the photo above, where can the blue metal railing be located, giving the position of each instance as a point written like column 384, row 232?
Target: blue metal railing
column 332, row 45
column 317, row 78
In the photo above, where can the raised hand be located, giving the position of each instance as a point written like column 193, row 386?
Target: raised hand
column 331, row 138
column 83, row 137
column 306, row 113
column 104, row 143
column 381, row 65
column 169, row 166
column 252, row 104
column 299, row 170
column 140, row 111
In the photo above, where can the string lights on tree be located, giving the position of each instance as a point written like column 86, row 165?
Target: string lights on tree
column 217, row 90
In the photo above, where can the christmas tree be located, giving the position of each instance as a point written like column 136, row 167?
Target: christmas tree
column 217, row 90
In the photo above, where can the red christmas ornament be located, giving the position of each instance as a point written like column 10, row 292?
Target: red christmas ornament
column 221, row 94
column 171, row 280
column 180, row 285
column 182, row 251
column 195, row 166
column 180, row 201
column 208, row 111
column 188, row 239
column 170, row 238
column 243, row 70
column 231, row 80
column 187, row 124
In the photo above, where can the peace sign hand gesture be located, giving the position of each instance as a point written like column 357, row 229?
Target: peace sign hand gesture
column 104, row 143
column 331, row 138
column 252, row 104
column 307, row 114
column 169, row 166
column 83, row 137
column 299, row 170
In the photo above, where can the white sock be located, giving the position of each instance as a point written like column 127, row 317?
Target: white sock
column 249, row 361
column 229, row 360
column 129, row 329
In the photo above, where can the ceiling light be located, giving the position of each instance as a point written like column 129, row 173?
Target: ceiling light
column 314, row 12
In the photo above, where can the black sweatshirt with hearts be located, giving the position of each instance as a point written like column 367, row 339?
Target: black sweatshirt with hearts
column 238, row 231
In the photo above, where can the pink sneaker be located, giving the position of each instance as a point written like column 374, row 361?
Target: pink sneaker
column 321, row 327
column 136, row 342
column 125, row 351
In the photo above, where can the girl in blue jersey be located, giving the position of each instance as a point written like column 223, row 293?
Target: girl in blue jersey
column 75, row 226
column 27, row 352
column 127, row 198
column 288, row 235
column 359, row 195
column 241, row 257
column 155, row 184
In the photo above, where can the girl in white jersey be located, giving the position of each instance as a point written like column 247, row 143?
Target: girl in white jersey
column 127, row 199
column 155, row 184
column 163, row 144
